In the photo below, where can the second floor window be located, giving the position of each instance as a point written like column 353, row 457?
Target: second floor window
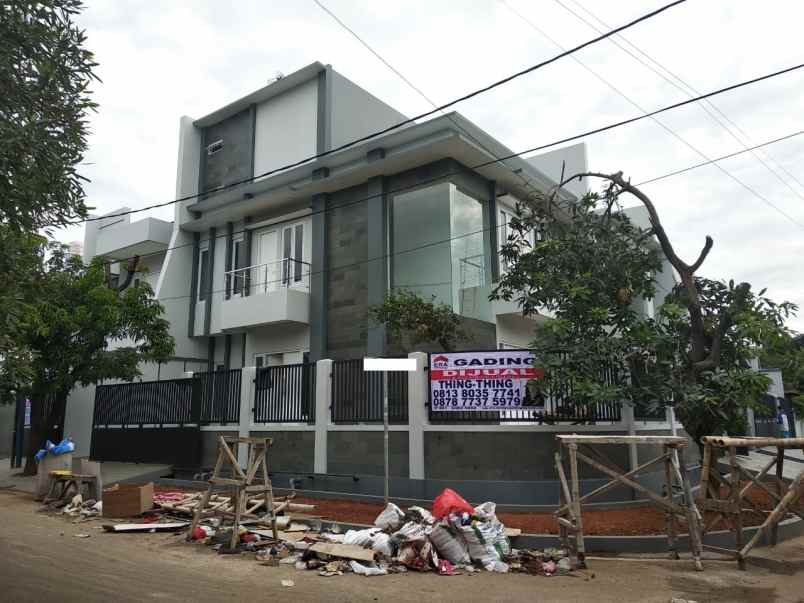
column 203, row 281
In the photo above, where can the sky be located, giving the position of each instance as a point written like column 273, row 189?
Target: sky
column 159, row 60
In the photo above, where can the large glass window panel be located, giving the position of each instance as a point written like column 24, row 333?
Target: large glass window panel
column 421, row 248
column 439, row 248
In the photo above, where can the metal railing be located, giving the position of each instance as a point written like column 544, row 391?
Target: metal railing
column 173, row 401
column 268, row 277
column 220, row 396
column 285, row 394
column 357, row 395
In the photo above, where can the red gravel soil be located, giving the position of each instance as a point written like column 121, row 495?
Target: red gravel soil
column 627, row 521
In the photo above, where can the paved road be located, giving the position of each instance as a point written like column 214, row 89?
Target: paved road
column 41, row 559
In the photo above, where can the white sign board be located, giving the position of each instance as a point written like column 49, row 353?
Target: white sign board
column 477, row 381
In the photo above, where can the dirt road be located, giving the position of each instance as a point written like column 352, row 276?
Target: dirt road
column 42, row 559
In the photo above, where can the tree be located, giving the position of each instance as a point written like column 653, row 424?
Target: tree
column 592, row 262
column 45, row 73
column 410, row 318
column 80, row 331
column 586, row 266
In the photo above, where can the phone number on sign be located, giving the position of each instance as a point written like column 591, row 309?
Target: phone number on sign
column 476, row 398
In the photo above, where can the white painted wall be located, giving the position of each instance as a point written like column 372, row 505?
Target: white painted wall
column 285, row 129
column 78, row 418
column 290, row 340
column 187, row 167
column 573, row 157
column 355, row 112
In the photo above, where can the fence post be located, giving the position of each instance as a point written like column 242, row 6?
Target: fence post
column 418, row 395
column 628, row 419
column 247, row 387
column 323, row 400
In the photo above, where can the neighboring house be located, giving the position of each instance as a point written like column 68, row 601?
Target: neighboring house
column 267, row 265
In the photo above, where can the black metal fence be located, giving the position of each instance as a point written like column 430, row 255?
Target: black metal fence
column 220, row 396
column 147, row 403
column 285, row 394
column 357, row 395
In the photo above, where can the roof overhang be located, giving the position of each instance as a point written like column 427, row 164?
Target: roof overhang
column 450, row 136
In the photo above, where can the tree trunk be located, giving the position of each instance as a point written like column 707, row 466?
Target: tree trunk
column 36, row 437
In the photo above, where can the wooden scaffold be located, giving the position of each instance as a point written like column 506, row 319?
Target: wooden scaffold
column 246, row 490
column 569, row 514
column 729, row 506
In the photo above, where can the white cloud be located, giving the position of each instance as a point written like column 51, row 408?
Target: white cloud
column 159, row 61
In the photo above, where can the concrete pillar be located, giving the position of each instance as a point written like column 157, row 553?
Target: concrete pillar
column 247, row 387
column 628, row 419
column 749, row 418
column 323, row 401
column 418, row 398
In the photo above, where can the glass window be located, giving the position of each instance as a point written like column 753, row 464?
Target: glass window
column 203, row 266
column 439, row 250
column 298, row 253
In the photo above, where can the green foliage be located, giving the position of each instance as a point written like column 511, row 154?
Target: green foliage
column 45, row 73
column 79, row 331
column 408, row 316
column 585, row 268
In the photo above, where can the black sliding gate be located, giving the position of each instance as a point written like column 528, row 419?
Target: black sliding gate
column 148, row 422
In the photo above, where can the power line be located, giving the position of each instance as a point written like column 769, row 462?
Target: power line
column 703, row 104
column 530, row 150
column 416, row 89
column 722, row 157
column 404, row 122
column 457, row 237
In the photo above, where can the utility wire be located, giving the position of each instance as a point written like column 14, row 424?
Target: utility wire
column 418, row 90
column 457, row 237
column 404, row 122
column 539, row 148
column 686, row 89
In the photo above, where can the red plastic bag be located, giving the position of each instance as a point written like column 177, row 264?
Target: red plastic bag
column 448, row 502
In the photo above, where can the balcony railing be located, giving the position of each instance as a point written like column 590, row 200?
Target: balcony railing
column 269, row 277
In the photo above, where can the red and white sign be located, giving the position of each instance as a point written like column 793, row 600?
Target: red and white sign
column 492, row 380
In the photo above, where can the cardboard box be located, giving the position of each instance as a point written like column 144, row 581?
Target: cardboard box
column 124, row 500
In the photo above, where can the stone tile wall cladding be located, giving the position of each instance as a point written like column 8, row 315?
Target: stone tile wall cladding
column 234, row 161
column 291, row 450
column 347, row 282
column 525, row 456
column 361, row 452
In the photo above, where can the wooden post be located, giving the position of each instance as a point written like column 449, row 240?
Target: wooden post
column 694, row 526
column 703, row 491
column 734, row 498
column 269, row 494
column 793, row 494
column 671, row 517
column 576, row 495
column 779, row 490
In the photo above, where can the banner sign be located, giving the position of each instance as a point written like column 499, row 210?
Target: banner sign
column 492, row 380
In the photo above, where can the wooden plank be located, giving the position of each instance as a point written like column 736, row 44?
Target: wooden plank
column 675, row 441
column 575, row 490
column 613, row 484
column 564, row 486
column 758, row 477
column 778, row 513
column 347, row 551
column 511, row 532
column 719, row 549
column 705, row 470
column 567, row 524
column 774, row 533
column 734, row 496
column 232, row 459
column 693, row 521
column 146, row 527
column 728, row 442
column 674, row 508
column 671, row 517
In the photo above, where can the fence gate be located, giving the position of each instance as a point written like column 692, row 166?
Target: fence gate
column 148, row 422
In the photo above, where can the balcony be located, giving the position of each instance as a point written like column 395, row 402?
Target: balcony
column 124, row 239
column 263, row 294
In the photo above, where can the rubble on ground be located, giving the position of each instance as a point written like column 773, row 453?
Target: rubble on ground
column 454, row 539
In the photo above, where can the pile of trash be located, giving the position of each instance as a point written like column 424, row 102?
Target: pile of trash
column 455, row 538
column 85, row 509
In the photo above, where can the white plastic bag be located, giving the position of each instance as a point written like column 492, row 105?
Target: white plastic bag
column 365, row 570
column 486, row 511
column 420, row 514
column 449, row 544
column 486, row 542
column 410, row 532
column 381, row 542
column 360, row 537
column 390, row 518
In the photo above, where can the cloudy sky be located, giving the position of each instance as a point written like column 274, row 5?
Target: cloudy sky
column 160, row 60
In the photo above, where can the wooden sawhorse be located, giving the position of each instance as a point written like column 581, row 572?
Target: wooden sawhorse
column 570, row 521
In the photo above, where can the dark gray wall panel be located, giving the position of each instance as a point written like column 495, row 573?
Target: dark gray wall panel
column 291, row 450
column 234, row 162
column 361, row 453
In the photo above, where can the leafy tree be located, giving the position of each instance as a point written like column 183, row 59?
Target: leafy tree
column 45, row 73
column 410, row 318
column 585, row 266
column 588, row 268
column 80, row 331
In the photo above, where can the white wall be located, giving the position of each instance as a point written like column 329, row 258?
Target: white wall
column 355, row 112
column 285, row 129
column 573, row 158
column 288, row 339
column 78, row 418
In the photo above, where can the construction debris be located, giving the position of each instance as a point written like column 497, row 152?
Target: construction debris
column 146, row 527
